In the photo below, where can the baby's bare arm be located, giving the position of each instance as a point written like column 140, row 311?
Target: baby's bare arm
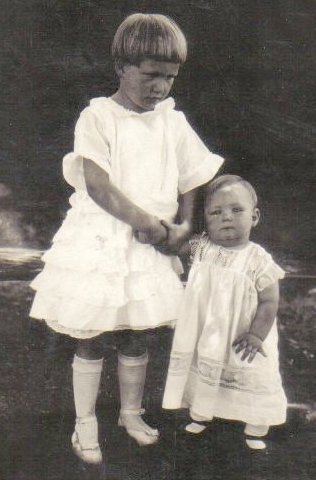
column 251, row 342
column 268, row 302
column 113, row 201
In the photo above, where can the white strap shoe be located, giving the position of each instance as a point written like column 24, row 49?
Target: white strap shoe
column 85, row 443
column 136, row 428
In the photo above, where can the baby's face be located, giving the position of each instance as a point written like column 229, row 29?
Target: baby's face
column 230, row 215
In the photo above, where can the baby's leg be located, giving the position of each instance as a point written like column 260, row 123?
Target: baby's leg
column 132, row 364
column 254, row 435
column 87, row 368
column 198, row 424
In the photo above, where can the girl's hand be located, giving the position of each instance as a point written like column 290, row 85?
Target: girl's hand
column 153, row 232
column 251, row 344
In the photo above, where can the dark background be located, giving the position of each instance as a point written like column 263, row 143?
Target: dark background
column 248, row 88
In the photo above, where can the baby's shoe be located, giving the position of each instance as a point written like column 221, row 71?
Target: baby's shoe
column 136, row 427
column 255, row 443
column 196, row 427
column 85, row 441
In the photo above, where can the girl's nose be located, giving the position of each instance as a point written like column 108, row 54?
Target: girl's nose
column 159, row 87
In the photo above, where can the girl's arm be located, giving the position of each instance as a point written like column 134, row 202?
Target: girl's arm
column 179, row 233
column 113, row 201
column 251, row 342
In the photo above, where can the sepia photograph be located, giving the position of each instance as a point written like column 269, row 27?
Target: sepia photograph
column 157, row 233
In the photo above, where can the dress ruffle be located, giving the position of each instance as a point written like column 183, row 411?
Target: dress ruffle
column 94, row 281
column 97, row 277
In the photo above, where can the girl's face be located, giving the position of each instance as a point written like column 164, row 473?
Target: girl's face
column 230, row 215
column 143, row 86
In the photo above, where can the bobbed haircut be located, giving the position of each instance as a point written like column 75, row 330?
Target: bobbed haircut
column 148, row 35
column 226, row 180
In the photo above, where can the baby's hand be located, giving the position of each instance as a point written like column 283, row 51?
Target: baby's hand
column 177, row 236
column 251, row 344
column 153, row 233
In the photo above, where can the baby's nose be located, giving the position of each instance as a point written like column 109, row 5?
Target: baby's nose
column 227, row 215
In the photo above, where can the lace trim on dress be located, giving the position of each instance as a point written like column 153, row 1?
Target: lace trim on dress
column 179, row 363
column 244, row 379
column 85, row 334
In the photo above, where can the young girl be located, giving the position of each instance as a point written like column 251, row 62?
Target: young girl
column 133, row 155
column 224, row 360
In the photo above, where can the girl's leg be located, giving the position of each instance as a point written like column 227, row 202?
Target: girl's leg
column 87, row 368
column 132, row 365
column 254, row 434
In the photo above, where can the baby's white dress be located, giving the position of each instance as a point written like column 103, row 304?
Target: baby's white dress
column 205, row 374
column 97, row 277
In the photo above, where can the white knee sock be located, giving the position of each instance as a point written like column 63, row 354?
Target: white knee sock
column 86, row 381
column 132, row 376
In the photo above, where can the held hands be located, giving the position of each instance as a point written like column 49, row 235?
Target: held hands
column 177, row 235
column 167, row 237
column 251, row 344
column 154, row 232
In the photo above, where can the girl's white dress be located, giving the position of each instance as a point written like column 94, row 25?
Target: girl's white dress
column 205, row 374
column 97, row 277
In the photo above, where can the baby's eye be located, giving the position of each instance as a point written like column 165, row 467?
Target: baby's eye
column 215, row 212
column 237, row 209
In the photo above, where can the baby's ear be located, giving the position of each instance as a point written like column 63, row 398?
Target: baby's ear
column 255, row 217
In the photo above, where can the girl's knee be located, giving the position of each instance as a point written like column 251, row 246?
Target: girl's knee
column 90, row 348
column 132, row 344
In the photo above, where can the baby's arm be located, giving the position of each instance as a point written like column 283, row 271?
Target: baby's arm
column 112, row 200
column 251, row 342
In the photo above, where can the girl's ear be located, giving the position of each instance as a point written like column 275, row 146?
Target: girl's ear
column 119, row 67
column 255, row 217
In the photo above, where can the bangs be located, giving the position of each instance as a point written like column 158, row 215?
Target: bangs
column 149, row 36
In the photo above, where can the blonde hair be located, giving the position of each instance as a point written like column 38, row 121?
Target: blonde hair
column 154, row 36
column 225, row 180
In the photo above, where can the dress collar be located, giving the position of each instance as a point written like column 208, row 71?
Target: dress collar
column 165, row 105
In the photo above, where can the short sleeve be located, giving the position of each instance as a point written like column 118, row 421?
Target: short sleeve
column 90, row 142
column 196, row 164
column 268, row 273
